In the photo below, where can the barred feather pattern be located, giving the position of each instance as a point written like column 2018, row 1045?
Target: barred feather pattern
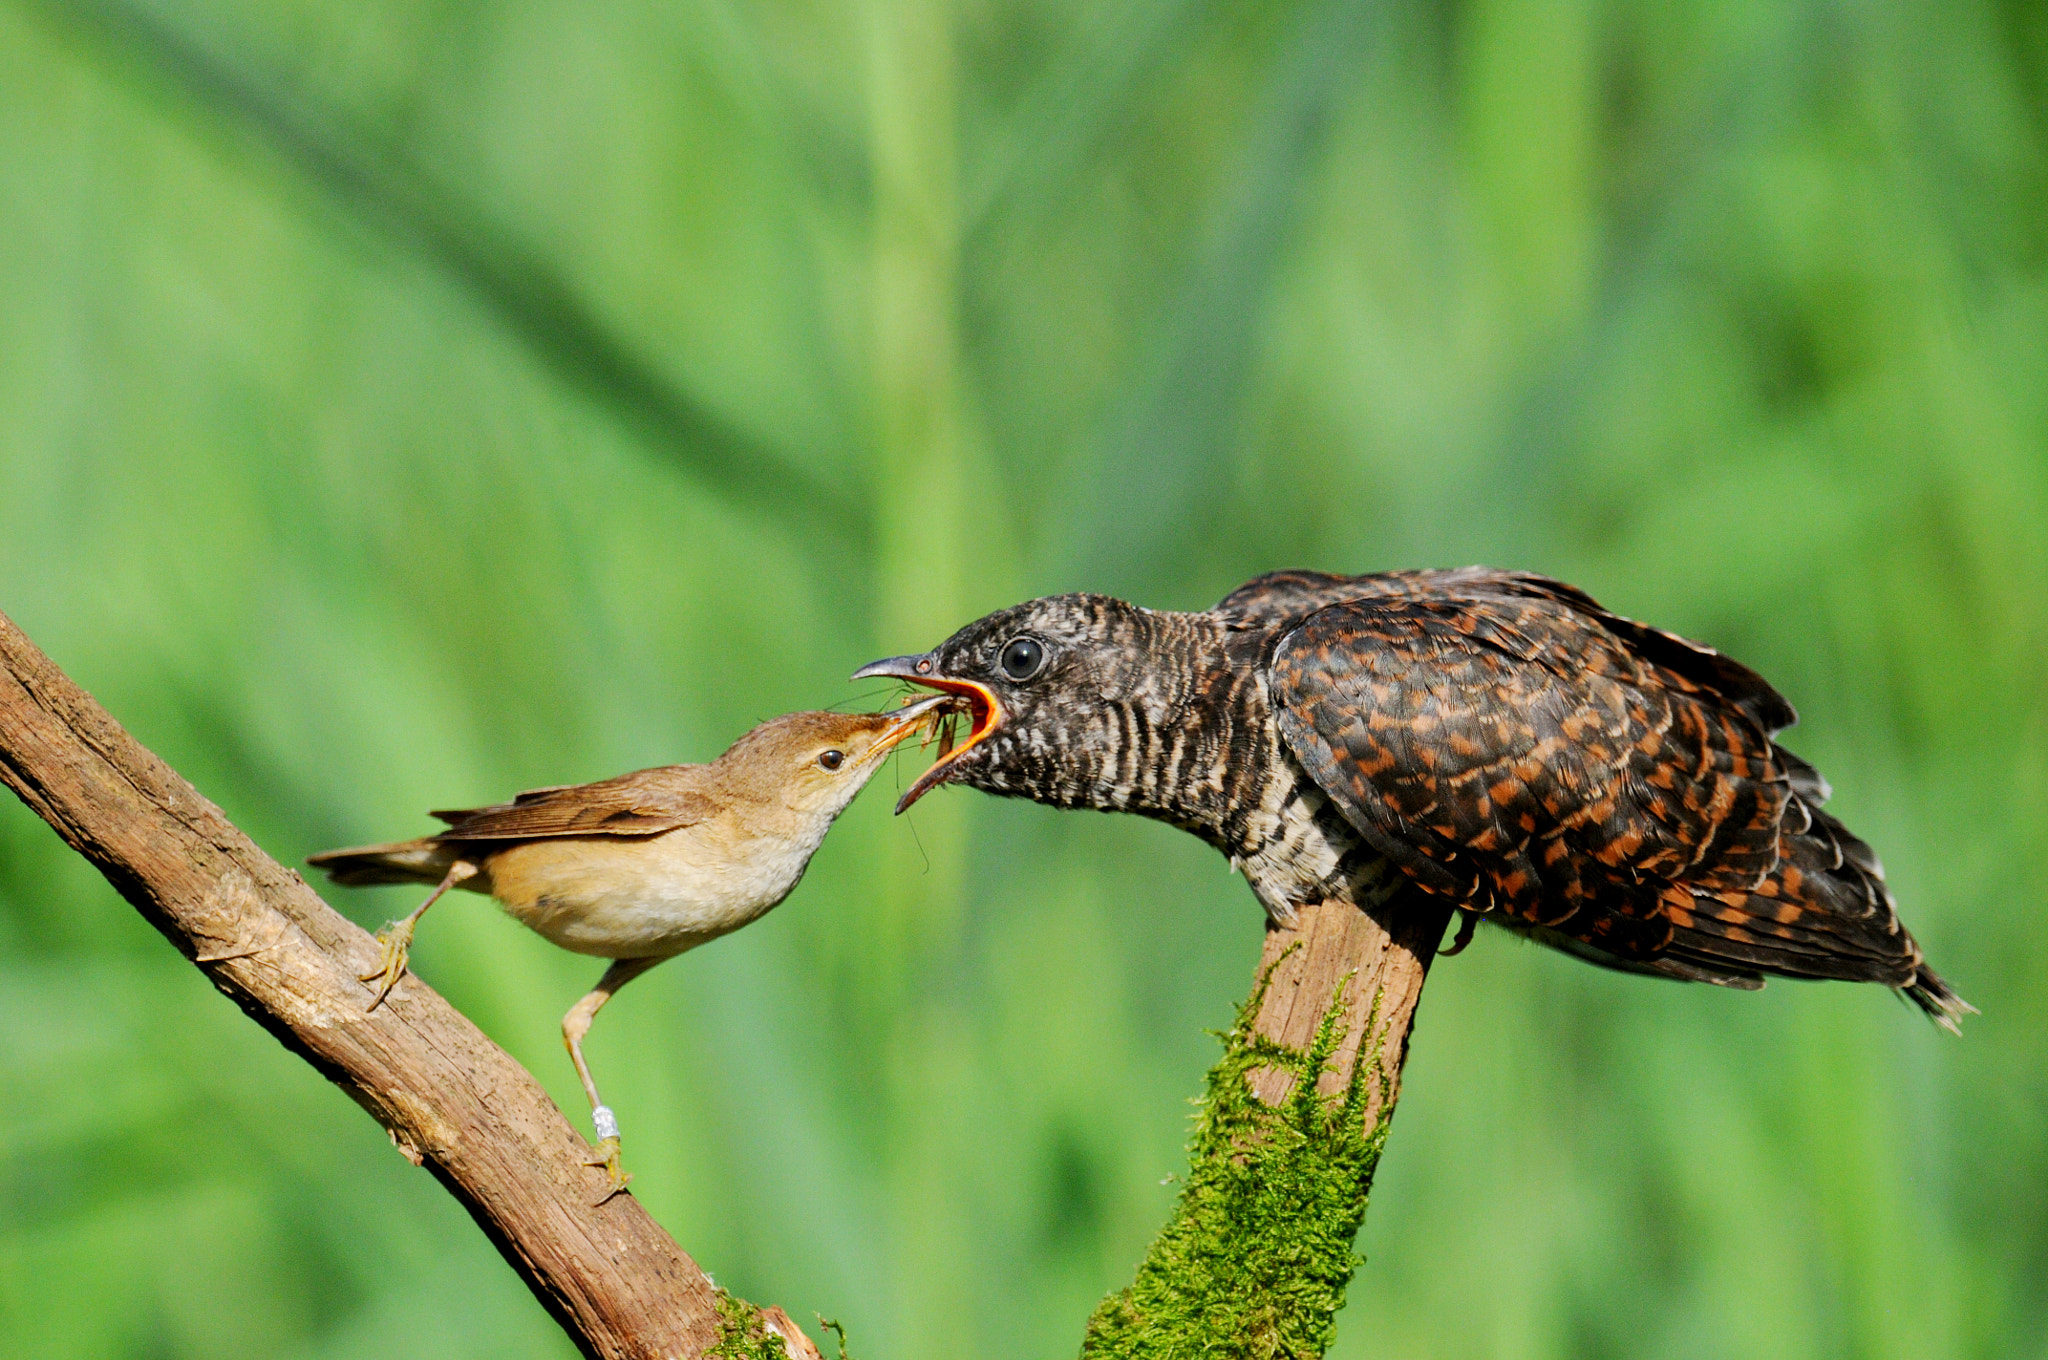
column 1498, row 739
column 1164, row 715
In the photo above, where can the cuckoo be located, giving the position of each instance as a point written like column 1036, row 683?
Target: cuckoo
column 1495, row 739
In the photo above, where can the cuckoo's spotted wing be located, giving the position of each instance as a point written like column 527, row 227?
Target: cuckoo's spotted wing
column 1603, row 785
column 1284, row 597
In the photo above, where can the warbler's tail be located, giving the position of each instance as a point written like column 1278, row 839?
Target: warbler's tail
column 362, row 866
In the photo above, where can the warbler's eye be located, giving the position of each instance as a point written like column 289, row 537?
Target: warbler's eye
column 832, row 760
column 1022, row 658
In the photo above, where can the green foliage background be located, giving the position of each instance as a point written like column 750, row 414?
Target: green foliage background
column 403, row 402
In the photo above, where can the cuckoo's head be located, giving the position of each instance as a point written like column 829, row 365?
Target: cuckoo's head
column 1059, row 694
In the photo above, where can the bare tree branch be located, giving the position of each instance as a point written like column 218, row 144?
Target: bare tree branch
column 1380, row 957
column 452, row 1100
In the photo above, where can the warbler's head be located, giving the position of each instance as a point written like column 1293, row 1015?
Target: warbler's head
column 814, row 763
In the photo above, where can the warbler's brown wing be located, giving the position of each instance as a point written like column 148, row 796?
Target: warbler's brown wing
column 1607, row 787
column 454, row 816
column 642, row 803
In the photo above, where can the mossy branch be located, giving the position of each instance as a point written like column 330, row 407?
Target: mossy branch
column 1260, row 1249
column 748, row 1331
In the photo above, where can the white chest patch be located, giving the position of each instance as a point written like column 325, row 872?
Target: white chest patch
column 1305, row 850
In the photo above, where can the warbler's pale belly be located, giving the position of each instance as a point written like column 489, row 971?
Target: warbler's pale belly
column 642, row 898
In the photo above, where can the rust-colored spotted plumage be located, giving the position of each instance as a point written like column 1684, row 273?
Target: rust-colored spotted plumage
column 1493, row 738
column 1507, row 743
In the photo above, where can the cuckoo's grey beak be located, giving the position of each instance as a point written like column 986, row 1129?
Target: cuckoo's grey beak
column 914, row 668
column 984, row 711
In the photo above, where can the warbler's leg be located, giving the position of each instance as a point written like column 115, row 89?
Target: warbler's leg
column 1468, row 922
column 396, row 936
column 575, row 1025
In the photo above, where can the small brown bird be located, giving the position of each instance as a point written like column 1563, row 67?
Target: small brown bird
column 648, row 865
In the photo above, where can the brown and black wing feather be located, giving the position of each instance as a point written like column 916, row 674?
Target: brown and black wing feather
column 1283, row 598
column 1689, row 666
column 1601, row 785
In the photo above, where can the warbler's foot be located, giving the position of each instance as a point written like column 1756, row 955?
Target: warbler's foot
column 395, row 942
column 606, row 1155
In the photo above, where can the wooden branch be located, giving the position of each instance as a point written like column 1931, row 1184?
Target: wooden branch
column 1381, row 954
column 452, row 1100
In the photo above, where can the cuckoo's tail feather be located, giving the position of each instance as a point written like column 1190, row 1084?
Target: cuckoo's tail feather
column 1932, row 995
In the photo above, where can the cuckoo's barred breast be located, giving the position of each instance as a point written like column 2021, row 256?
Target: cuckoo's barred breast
column 1496, row 739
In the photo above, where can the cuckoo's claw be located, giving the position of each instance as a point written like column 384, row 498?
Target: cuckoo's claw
column 395, row 942
column 1468, row 922
column 606, row 1155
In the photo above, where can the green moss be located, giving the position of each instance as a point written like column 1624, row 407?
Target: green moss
column 741, row 1333
column 1259, row 1251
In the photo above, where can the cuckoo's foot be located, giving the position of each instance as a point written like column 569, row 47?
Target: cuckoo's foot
column 395, row 942
column 1468, row 922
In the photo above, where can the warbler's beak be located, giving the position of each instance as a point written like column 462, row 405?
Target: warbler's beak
column 983, row 710
column 907, row 721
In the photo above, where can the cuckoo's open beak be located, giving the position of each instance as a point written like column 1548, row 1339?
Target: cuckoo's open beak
column 983, row 711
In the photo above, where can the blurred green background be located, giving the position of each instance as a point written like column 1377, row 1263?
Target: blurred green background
column 404, row 402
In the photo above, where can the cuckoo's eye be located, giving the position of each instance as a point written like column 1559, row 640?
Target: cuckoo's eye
column 832, row 760
column 1022, row 658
